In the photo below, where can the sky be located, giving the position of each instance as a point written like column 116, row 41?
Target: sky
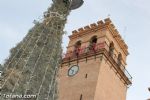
column 131, row 18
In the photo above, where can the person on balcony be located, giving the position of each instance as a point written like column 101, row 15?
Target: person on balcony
column 93, row 42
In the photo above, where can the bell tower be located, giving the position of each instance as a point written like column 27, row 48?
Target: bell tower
column 94, row 66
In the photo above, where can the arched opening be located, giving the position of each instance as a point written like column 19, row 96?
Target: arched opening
column 93, row 42
column 77, row 48
column 78, row 44
column 93, row 39
column 119, row 59
column 111, row 49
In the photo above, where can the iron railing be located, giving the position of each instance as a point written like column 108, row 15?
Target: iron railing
column 95, row 49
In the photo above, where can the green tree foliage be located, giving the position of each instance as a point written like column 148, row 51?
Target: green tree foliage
column 32, row 65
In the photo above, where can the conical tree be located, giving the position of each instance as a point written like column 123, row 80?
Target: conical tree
column 32, row 65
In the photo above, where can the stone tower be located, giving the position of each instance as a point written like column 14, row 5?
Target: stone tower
column 94, row 66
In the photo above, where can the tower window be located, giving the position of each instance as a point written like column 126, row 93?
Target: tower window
column 77, row 48
column 111, row 49
column 119, row 59
column 86, row 75
column 81, row 97
column 78, row 44
column 94, row 39
column 93, row 42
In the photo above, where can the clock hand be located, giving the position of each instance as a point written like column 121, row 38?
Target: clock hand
column 72, row 71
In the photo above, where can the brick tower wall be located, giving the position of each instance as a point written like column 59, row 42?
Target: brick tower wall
column 109, row 85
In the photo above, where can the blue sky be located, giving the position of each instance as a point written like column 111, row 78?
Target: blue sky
column 131, row 17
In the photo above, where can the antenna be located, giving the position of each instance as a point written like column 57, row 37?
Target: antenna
column 108, row 15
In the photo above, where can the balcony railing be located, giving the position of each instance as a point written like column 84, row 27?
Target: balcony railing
column 122, row 71
column 94, row 50
column 84, row 50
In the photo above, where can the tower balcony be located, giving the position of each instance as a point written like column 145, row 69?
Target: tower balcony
column 96, row 50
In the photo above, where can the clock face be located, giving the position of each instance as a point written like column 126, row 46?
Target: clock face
column 73, row 70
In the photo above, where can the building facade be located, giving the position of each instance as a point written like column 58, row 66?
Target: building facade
column 93, row 67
